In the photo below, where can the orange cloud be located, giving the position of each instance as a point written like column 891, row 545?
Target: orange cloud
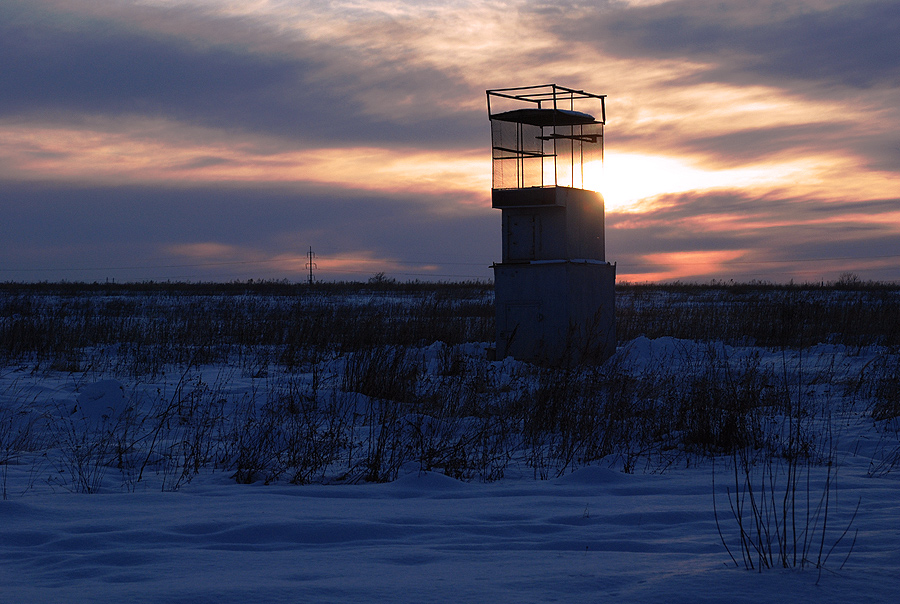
column 122, row 152
column 352, row 264
column 682, row 265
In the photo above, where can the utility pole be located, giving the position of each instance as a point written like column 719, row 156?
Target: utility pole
column 310, row 264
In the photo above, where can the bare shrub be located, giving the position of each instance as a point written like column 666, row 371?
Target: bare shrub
column 294, row 435
column 387, row 373
column 85, row 451
column 783, row 513
column 784, row 489
column 885, row 388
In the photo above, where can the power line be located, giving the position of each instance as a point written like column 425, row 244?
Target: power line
column 230, row 263
column 310, row 265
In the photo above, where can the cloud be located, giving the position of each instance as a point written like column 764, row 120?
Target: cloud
column 221, row 137
column 750, row 145
column 155, row 151
column 730, row 235
column 849, row 44
column 302, row 89
column 59, row 231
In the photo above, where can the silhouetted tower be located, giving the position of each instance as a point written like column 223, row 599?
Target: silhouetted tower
column 555, row 292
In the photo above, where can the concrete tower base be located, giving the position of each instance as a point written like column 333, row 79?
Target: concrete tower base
column 553, row 311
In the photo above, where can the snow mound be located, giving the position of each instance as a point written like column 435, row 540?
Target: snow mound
column 593, row 475
column 642, row 354
column 103, row 400
column 422, row 484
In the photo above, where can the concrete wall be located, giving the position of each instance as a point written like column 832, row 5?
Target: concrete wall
column 551, row 224
column 555, row 294
column 553, row 311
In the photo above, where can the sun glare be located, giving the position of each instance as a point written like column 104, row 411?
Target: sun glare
column 625, row 179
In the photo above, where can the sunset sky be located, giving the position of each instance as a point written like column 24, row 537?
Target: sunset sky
column 221, row 139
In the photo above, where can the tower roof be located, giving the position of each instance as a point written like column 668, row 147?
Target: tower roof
column 544, row 117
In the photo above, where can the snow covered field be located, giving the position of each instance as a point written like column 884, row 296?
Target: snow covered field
column 592, row 536
column 191, row 474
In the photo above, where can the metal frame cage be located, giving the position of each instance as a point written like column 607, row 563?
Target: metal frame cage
column 541, row 137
